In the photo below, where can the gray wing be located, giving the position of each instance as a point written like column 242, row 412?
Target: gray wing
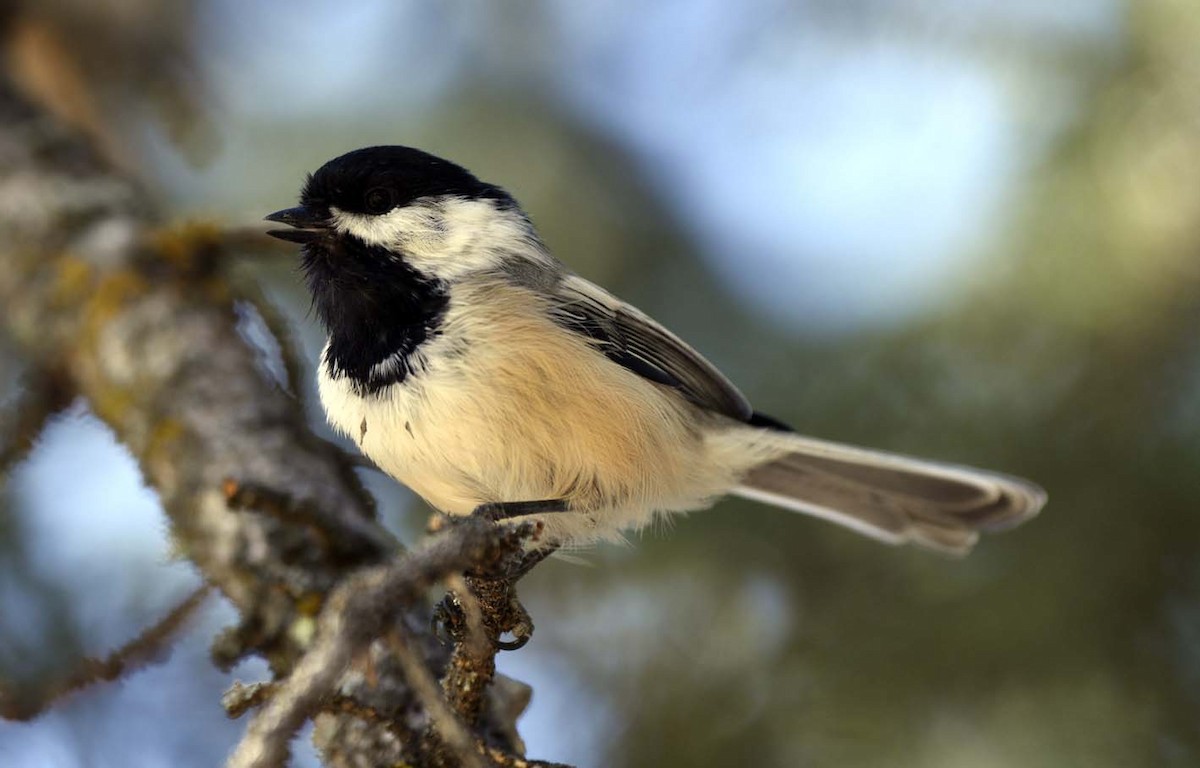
column 632, row 339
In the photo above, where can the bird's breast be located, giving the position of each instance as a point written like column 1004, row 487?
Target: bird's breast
column 508, row 407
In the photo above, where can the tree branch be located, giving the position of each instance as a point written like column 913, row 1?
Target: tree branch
column 363, row 609
column 143, row 323
column 43, row 394
column 151, row 646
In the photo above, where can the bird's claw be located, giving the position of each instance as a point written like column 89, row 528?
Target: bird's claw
column 448, row 622
column 522, row 630
column 491, row 511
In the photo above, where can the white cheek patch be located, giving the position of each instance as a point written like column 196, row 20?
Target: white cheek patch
column 396, row 228
column 445, row 238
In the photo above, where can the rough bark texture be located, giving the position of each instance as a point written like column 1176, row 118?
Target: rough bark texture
column 141, row 322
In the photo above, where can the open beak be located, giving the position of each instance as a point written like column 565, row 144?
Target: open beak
column 307, row 224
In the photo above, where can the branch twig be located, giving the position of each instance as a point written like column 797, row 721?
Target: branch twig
column 446, row 732
column 150, row 647
column 348, row 537
column 361, row 610
column 44, row 393
column 143, row 323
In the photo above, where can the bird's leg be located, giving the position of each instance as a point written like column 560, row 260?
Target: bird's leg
column 531, row 559
column 496, row 593
column 514, row 619
column 448, row 623
column 507, row 510
column 500, row 610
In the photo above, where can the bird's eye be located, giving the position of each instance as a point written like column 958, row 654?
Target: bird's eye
column 379, row 200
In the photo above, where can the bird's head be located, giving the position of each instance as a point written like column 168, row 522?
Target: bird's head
column 387, row 209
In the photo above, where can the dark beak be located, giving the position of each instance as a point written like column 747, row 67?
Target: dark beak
column 309, row 224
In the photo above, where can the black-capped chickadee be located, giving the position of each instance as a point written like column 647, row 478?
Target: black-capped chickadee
column 472, row 366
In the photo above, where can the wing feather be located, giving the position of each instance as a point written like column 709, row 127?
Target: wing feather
column 632, row 339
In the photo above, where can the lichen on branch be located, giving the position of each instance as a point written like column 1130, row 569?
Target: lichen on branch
column 140, row 320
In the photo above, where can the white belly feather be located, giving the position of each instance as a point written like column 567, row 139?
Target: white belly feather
column 548, row 418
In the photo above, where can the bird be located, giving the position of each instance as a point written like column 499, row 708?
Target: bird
column 471, row 365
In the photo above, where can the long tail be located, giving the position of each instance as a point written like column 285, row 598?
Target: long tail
column 892, row 498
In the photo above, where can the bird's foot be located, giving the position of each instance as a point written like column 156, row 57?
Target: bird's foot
column 448, row 622
column 501, row 613
column 496, row 511
column 494, row 591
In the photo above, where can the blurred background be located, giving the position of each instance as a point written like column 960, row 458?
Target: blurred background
column 964, row 229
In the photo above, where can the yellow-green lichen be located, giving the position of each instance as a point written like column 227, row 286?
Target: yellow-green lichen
column 163, row 437
column 112, row 295
column 188, row 246
column 302, row 631
column 72, row 282
column 310, row 604
column 111, row 404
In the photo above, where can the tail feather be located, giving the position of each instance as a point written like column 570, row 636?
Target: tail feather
column 893, row 498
